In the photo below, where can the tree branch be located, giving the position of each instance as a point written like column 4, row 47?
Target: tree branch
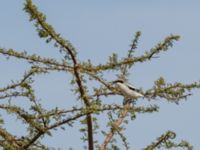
column 40, row 20
column 117, row 123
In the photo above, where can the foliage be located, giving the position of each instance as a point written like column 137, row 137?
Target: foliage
column 40, row 122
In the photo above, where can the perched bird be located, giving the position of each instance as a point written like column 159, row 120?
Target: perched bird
column 127, row 90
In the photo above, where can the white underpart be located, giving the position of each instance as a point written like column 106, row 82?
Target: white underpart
column 128, row 93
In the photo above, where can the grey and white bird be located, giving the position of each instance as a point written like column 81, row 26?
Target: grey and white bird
column 127, row 90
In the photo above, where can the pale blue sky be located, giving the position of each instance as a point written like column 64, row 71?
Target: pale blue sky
column 99, row 28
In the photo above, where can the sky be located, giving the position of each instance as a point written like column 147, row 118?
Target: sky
column 97, row 29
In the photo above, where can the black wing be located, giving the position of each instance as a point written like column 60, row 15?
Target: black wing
column 132, row 88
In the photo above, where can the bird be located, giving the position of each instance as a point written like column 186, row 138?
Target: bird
column 128, row 91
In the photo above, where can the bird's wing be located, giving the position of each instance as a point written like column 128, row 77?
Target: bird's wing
column 132, row 87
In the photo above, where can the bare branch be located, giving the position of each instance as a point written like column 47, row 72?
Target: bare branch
column 117, row 123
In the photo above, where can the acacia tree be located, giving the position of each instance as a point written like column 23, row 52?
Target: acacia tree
column 39, row 121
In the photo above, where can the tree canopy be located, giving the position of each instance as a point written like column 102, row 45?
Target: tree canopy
column 40, row 121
